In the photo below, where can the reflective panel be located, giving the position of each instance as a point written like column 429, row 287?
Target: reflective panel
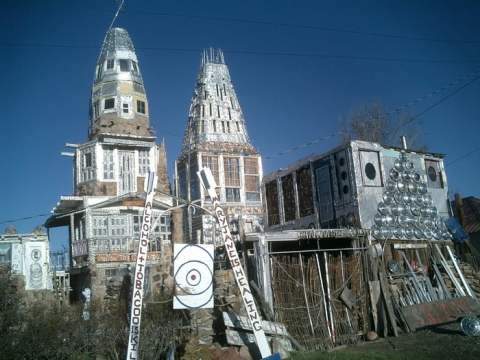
column 383, row 209
column 388, row 198
column 398, row 165
column 391, row 186
column 394, row 174
column 401, row 186
column 411, row 187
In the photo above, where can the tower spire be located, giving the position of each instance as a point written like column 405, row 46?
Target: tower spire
column 118, row 100
column 215, row 115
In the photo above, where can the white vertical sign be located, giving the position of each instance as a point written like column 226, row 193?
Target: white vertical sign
column 206, row 178
column 139, row 277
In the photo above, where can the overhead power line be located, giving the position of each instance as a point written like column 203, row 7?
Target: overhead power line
column 434, row 105
column 472, row 77
column 254, row 52
column 462, row 157
column 23, row 219
column 303, row 26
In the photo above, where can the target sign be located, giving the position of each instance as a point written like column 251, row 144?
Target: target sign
column 193, row 274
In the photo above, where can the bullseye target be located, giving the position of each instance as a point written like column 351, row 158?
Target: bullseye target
column 193, row 274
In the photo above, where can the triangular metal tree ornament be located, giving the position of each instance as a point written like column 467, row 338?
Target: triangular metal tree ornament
column 406, row 211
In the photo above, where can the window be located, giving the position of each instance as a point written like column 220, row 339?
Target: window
column 100, row 226
column 238, row 126
column 108, row 164
column 288, row 198
column 252, row 179
column 232, row 179
column 434, row 174
column 124, row 65
column 229, row 114
column 223, row 127
column 87, row 171
column 370, row 171
column 232, row 194
column 111, row 272
column 217, row 90
column 110, row 64
column 143, row 162
column 96, row 110
column 305, row 193
column 87, row 159
column 231, row 168
column 109, row 103
column 125, row 109
column 135, row 67
column 218, row 111
column 228, row 127
column 141, row 107
column 271, row 194
column 118, row 225
column 99, row 72
column 214, row 126
column 212, row 163
column 210, row 106
column 138, row 88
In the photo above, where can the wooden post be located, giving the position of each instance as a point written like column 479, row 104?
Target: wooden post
column 177, row 226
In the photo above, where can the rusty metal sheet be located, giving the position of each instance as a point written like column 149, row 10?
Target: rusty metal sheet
column 439, row 312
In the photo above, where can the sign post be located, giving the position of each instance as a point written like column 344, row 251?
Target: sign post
column 139, row 276
column 206, row 178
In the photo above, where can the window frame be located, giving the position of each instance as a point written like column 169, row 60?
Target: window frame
column 141, row 105
column 122, row 62
column 109, row 109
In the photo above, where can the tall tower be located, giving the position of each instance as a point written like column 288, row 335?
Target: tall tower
column 105, row 213
column 216, row 137
column 118, row 102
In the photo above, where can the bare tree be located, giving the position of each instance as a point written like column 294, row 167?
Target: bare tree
column 372, row 123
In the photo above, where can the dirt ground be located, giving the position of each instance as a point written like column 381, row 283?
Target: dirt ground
column 436, row 343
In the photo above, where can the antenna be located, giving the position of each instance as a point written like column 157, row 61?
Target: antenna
column 116, row 14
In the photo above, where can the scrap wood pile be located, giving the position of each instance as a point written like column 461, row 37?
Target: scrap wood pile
column 424, row 285
column 321, row 297
column 327, row 299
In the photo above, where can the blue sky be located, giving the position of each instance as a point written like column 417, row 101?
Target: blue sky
column 297, row 66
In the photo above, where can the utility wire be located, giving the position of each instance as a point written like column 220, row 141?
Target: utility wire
column 464, row 156
column 474, row 76
column 254, row 52
column 434, row 105
column 301, row 26
column 23, row 218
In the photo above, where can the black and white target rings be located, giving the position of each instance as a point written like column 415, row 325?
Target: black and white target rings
column 193, row 274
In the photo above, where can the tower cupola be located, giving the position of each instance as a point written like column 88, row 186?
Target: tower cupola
column 118, row 101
